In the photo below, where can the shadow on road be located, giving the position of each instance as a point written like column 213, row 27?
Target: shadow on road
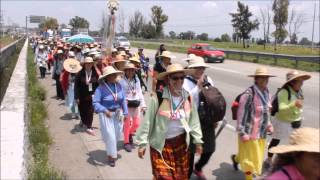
column 66, row 116
column 226, row 172
column 97, row 158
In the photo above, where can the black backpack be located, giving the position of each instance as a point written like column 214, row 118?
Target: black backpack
column 275, row 101
column 212, row 104
column 235, row 104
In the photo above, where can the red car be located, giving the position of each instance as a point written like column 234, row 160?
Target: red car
column 209, row 53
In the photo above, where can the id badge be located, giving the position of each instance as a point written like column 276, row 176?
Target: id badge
column 90, row 87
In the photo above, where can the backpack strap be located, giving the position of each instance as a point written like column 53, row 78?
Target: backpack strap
column 286, row 173
column 191, row 79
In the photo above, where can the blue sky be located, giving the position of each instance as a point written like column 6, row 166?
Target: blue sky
column 200, row 16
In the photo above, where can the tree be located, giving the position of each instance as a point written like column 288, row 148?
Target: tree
column 135, row 24
column 305, row 41
column 49, row 23
column 266, row 21
column 217, row 39
column 242, row 23
column 172, row 34
column 158, row 19
column 148, row 31
column 62, row 26
column 225, row 38
column 78, row 22
column 296, row 20
column 280, row 19
column 203, row 37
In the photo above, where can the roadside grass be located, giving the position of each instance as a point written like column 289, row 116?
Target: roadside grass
column 5, row 40
column 306, row 66
column 39, row 137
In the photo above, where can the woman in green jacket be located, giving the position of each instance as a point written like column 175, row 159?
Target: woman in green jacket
column 289, row 115
column 167, row 127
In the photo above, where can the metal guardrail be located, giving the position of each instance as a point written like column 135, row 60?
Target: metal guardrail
column 8, row 51
column 275, row 57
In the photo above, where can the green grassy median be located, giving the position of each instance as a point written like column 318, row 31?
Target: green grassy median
column 39, row 137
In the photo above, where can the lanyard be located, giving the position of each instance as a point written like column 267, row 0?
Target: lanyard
column 88, row 76
column 131, row 84
column 264, row 99
column 115, row 95
column 174, row 112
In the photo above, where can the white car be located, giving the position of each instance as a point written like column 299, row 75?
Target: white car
column 121, row 41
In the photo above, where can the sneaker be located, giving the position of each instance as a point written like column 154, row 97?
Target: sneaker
column 111, row 161
column 234, row 162
column 127, row 147
column 199, row 174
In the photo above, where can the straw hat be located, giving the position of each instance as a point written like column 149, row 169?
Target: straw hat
column 294, row 74
column 114, row 50
column 119, row 59
column 59, row 51
column 303, row 139
column 190, row 56
column 261, row 71
column 167, row 54
column 134, row 59
column 128, row 66
column 88, row 60
column 174, row 68
column 122, row 53
column 41, row 46
column 108, row 71
column 197, row 61
column 86, row 50
column 72, row 65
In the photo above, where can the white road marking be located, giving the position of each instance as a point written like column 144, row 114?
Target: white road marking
column 227, row 70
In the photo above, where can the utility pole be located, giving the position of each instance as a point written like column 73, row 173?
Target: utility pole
column 314, row 16
column 27, row 26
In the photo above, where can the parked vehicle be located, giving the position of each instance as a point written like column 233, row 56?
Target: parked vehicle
column 209, row 53
column 121, row 41
column 65, row 34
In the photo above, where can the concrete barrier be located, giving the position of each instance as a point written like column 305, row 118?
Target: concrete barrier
column 13, row 122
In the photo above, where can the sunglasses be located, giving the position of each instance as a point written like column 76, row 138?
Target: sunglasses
column 176, row 78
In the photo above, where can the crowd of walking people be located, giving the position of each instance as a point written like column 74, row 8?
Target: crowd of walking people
column 176, row 124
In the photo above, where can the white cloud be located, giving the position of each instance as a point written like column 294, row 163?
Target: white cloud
column 209, row 4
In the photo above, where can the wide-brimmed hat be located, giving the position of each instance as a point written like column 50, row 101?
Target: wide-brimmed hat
column 261, row 71
column 190, row 56
column 128, row 66
column 303, row 139
column 123, row 53
column 174, row 68
column 135, row 59
column 108, row 71
column 41, row 46
column 197, row 61
column 167, row 54
column 294, row 74
column 86, row 50
column 72, row 65
column 114, row 50
column 88, row 60
column 119, row 59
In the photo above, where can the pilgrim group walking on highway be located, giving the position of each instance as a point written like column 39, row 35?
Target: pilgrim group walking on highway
column 179, row 118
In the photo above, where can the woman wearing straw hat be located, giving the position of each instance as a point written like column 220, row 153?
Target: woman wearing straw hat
column 85, row 85
column 136, row 61
column 110, row 102
column 253, row 123
column 290, row 104
column 57, row 69
column 135, row 102
column 300, row 159
column 168, row 125
column 68, row 76
column 119, row 62
column 160, row 67
column 194, row 84
column 42, row 58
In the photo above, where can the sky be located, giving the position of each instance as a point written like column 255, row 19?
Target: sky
column 200, row 16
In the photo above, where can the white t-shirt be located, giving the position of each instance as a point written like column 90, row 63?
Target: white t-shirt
column 175, row 127
column 193, row 89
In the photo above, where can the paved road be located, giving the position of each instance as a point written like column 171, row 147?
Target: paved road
column 81, row 156
column 231, row 78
